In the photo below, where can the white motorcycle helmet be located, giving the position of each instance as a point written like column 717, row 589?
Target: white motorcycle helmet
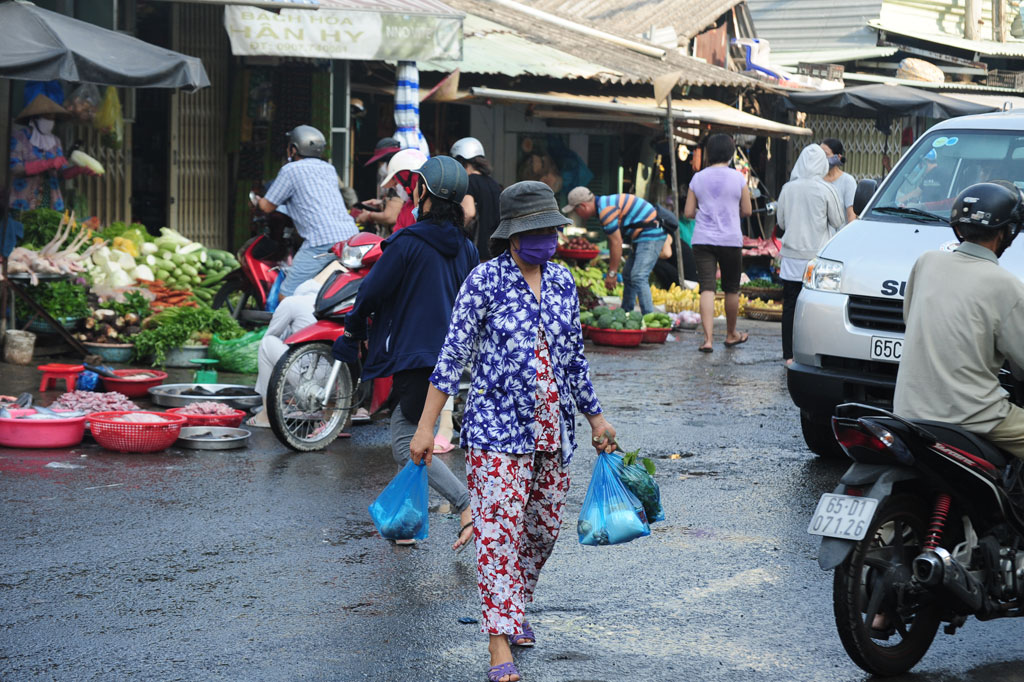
column 467, row 148
column 405, row 160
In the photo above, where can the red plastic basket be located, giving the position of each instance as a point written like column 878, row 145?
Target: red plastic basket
column 134, row 389
column 624, row 338
column 233, row 420
column 578, row 254
column 656, row 334
column 135, row 437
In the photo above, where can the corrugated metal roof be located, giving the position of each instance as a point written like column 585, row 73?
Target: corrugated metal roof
column 490, row 48
column 619, row 64
column 849, row 54
column 965, row 87
column 942, row 22
column 718, row 114
column 634, row 17
column 814, row 25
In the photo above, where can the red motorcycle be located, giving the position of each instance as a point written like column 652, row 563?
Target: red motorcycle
column 246, row 291
column 311, row 395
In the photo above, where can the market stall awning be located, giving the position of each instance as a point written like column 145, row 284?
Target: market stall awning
column 718, row 115
column 348, row 29
column 872, row 101
column 36, row 44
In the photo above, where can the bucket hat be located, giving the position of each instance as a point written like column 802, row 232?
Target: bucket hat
column 41, row 105
column 525, row 206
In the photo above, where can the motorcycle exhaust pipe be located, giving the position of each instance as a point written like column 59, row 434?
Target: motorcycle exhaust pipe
column 927, row 568
column 936, row 568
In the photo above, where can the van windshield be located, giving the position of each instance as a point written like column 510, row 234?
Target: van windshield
column 943, row 165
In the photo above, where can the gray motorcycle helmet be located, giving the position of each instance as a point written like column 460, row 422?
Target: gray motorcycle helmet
column 309, row 141
column 445, row 178
column 467, row 148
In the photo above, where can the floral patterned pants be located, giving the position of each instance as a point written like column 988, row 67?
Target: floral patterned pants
column 517, row 505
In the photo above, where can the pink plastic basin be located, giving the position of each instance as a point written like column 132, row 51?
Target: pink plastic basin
column 41, row 433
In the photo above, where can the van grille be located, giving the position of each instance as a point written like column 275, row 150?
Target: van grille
column 883, row 314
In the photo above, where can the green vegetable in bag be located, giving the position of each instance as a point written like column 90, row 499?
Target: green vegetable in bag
column 237, row 355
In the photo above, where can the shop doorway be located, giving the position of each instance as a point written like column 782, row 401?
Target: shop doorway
column 151, row 139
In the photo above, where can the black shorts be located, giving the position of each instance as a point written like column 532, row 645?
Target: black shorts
column 710, row 258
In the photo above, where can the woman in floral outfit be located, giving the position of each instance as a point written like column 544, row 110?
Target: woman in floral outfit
column 517, row 319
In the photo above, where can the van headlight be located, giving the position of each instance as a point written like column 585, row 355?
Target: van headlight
column 823, row 274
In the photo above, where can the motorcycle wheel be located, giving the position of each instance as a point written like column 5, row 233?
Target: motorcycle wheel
column 864, row 585
column 294, row 395
column 225, row 297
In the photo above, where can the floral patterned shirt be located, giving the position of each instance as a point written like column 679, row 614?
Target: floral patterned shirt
column 494, row 325
column 34, row 191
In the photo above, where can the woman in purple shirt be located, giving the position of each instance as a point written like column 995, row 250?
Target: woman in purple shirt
column 717, row 199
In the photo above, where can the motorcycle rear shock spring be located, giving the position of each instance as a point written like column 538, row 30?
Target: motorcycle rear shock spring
column 938, row 524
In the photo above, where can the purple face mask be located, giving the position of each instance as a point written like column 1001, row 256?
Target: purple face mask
column 537, row 248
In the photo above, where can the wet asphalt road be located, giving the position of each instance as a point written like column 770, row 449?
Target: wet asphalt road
column 263, row 564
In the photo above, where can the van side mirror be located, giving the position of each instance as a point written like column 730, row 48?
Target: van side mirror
column 865, row 190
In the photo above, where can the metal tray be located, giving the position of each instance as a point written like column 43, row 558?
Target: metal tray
column 239, row 438
column 169, row 395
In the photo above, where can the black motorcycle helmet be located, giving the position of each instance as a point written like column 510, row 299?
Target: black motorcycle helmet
column 986, row 208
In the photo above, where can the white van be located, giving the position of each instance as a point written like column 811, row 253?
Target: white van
column 848, row 330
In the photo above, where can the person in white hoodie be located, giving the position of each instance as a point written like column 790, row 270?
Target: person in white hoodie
column 809, row 212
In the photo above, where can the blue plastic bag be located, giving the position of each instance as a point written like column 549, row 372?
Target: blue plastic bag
column 275, row 292
column 400, row 511
column 643, row 486
column 611, row 515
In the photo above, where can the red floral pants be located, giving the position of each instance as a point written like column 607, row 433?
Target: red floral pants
column 517, row 505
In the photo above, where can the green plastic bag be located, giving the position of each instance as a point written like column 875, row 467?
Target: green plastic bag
column 237, row 355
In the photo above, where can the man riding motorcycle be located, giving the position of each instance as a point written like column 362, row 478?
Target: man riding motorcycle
column 965, row 319
column 309, row 185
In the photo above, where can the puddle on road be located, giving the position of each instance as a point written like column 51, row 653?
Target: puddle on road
column 352, row 530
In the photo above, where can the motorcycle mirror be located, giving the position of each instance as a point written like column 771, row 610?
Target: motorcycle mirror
column 865, row 190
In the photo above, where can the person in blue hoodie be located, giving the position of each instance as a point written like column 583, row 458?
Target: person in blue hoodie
column 409, row 294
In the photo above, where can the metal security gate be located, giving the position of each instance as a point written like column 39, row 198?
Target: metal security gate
column 198, row 191
column 863, row 143
column 107, row 197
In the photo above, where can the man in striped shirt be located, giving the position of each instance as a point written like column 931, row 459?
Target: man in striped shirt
column 625, row 217
column 309, row 186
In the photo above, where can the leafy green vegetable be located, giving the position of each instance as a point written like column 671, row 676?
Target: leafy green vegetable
column 134, row 302
column 762, row 283
column 174, row 327
column 60, row 299
column 40, row 226
column 136, row 232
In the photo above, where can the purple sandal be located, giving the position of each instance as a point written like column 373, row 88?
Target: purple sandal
column 496, row 672
column 526, row 634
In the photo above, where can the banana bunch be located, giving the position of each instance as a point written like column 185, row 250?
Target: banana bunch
column 761, row 303
column 593, row 279
column 676, row 299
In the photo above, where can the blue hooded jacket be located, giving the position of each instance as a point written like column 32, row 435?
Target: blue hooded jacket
column 410, row 292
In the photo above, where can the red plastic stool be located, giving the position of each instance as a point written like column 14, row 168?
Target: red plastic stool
column 54, row 372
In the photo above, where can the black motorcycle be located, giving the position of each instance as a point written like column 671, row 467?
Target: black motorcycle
column 923, row 529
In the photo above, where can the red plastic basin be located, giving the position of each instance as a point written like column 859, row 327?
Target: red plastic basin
column 41, row 433
column 656, row 334
column 134, row 389
column 233, row 420
column 624, row 338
